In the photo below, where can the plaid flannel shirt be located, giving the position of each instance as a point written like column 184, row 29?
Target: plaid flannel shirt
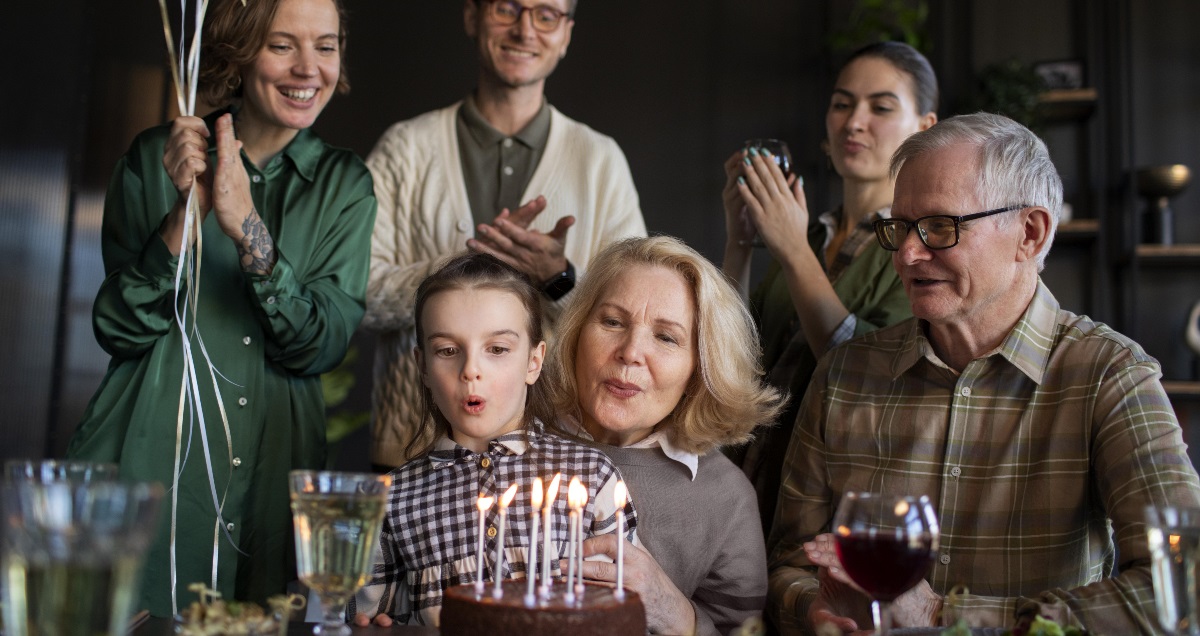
column 428, row 539
column 1037, row 457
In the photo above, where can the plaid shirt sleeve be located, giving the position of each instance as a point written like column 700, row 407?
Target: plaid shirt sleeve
column 1140, row 460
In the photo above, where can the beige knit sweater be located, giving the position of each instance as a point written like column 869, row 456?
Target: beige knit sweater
column 424, row 218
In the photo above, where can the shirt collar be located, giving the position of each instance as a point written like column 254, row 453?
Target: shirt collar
column 1027, row 347
column 304, row 150
column 665, row 441
column 831, row 218
column 659, row 439
column 447, row 452
column 535, row 134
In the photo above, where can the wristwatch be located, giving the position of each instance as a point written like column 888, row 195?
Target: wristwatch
column 560, row 283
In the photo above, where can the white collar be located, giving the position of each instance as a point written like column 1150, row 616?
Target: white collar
column 664, row 441
column 658, row 438
column 516, row 443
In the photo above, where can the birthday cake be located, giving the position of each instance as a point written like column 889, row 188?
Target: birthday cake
column 599, row 613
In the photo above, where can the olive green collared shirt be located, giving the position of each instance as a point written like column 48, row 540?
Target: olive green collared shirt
column 497, row 168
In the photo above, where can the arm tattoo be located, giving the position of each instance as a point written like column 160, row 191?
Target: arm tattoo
column 256, row 250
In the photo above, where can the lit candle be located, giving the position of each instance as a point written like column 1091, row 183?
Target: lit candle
column 619, row 496
column 505, row 499
column 535, row 497
column 573, row 505
column 551, row 493
column 484, row 503
column 583, row 499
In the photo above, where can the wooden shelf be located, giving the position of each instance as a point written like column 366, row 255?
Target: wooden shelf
column 1182, row 389
column 1078, row 230
column 1067, row 104
column 1168, row 254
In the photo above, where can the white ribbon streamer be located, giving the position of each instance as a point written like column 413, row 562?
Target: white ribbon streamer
column 185, row 75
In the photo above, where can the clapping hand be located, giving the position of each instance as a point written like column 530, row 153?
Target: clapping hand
column 540, row 255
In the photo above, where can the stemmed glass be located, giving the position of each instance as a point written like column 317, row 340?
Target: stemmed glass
column 886, row 545
column 337, row 517
column 783, row 158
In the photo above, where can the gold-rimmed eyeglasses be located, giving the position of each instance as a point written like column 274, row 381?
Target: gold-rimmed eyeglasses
column 937, row 231
column 508, row 12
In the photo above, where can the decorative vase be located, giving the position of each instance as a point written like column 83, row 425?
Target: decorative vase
column 1158, row 184
column 1192, row 334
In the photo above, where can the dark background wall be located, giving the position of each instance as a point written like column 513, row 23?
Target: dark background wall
column 678, row 85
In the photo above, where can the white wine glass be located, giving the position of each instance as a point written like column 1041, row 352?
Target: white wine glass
column 337, row 517
column 886, row 545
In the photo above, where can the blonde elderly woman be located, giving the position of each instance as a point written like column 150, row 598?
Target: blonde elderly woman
column 657, row 361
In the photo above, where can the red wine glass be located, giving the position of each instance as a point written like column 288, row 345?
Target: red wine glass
column 783, row 158
column 886, row 545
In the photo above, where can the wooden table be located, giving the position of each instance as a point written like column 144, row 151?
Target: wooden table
column 163, row 627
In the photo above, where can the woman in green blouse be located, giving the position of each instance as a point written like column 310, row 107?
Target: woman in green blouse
column 285, row 243
column 829, row 280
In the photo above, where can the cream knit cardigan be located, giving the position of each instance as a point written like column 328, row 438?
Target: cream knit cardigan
column 424, row 218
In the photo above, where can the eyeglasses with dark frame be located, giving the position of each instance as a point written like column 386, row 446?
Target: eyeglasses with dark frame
column 937, row 231
column 508, row 12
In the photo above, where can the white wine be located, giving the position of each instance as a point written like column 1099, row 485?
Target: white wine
column 76, row 598
column 336, row 536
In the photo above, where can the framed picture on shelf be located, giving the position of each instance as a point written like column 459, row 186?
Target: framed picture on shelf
column 1061, row 74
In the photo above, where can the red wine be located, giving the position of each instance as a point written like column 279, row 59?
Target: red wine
column 885, row 566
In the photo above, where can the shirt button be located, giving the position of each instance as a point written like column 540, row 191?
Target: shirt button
column 507, row 143
column 944, row 559
column 237, row 461
column 246, row 340
column 242, row 401
column 229, row 526
column 270, row 300
column 463, row 226
column 508, row 171
column 491, row 533
column 485, row 462
column 956, row 471
column 966, row 391
column 256, row 178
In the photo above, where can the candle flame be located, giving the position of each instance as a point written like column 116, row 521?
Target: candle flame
column 507, row 497
column 552, row 490
column 573, row 494
column 620, row 494
column 536, row 493
column 485, row 503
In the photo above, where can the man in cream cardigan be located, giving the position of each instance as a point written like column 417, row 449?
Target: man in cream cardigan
column 455, row 178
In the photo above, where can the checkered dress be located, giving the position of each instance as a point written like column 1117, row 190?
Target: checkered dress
column 428, row 540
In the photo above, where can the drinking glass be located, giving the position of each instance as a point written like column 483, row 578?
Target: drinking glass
column 337, row 517
column 51, row 470
column 783, row 158
column 72, row 553
column 886, row 545
column 1173, row 535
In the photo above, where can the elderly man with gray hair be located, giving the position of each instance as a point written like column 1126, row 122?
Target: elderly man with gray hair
column 1040, row 436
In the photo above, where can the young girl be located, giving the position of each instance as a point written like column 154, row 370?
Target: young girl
column 480, row 350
